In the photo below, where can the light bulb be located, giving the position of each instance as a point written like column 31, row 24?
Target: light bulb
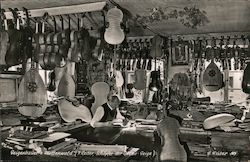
column 114, row 34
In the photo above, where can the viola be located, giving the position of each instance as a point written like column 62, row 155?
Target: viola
column 14, row 53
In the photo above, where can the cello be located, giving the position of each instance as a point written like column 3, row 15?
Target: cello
column 32, row 95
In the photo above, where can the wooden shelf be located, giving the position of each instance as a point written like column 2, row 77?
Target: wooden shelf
column 62, row 10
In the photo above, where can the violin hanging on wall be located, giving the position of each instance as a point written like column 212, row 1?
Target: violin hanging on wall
column 14, row 52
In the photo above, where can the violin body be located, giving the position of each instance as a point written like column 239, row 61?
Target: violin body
column 4, row 45
column 66, row 86
column 172, row 150
column 71, row 113
column 14, row 52
column 32, row 103
column 100, row 91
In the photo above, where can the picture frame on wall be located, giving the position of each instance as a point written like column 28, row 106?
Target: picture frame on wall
column 180, row 52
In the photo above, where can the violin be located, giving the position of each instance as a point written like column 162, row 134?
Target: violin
column 98, row 51
column 75, row 47
column 14, row 52
column 65, row 45
column 84, row 41
column 4, row 45
column 66, row 86
column 74, row 50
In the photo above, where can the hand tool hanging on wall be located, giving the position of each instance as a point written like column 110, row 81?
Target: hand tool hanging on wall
column 212, row 77
column 32, row 95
